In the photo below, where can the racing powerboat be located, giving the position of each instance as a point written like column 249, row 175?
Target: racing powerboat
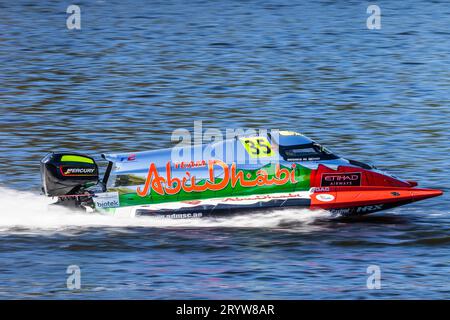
column 274, row 170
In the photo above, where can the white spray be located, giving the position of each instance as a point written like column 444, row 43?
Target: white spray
column 30, row 212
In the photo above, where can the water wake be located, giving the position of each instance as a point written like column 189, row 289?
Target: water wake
column 26, row 211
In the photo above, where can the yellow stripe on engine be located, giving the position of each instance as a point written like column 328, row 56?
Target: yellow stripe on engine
column 68, row 158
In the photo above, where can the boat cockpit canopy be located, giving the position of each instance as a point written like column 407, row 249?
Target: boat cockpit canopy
column 294, row 146
column 306, row 152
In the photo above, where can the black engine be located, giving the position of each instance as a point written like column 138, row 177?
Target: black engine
column 67, row 173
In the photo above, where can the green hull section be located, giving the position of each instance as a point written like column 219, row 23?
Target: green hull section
column 129, row 197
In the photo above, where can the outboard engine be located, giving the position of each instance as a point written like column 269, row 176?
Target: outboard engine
column 67, row 173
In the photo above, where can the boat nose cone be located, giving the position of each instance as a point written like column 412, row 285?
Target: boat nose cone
column 425, row 193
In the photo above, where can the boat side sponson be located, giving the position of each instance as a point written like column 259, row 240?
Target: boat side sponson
column 361, row 200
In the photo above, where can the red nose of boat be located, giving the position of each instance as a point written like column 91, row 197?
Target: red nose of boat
column 420, row 194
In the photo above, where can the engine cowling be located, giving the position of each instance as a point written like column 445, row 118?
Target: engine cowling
column 67, row 173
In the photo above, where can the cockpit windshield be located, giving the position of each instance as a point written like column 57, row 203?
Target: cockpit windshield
column 306, row 152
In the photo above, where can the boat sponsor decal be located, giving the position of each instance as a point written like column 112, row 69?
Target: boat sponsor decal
column 153, row 214
column 194, row 215
column 319, row 189
column 325, row 197
column 265, row 197
column 169, row 185
column 234, row 201
column 341, row 179
column 369, row 208
column 340, row 211
column 106, row 200
column 190, row 164
column 303, row 159
column 130, row 157
column 362, row 209
column 257, row 147
column 77, row 171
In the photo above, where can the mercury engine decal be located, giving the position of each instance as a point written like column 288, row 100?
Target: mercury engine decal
column 71, row 171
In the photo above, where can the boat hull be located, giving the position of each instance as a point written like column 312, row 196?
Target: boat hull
column 339, row 201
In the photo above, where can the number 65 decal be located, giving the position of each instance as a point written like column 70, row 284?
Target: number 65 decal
column 257, row 147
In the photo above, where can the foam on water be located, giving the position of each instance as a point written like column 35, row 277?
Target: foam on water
column 27, row 211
